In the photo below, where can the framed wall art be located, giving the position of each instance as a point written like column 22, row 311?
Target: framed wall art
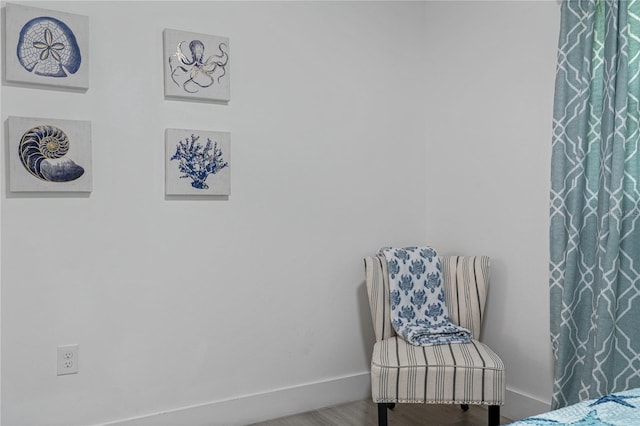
column 197, row 162
column 49, row 155
column 196, row 66
column 46, row 47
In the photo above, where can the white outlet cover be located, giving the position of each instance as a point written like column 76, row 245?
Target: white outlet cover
column 68, row 360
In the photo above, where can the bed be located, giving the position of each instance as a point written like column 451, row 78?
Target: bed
column 617, row 409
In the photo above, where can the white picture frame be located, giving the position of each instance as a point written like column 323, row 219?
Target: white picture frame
column 196, row 66
column 198, row 162
column 49, row 155
column 46, row 48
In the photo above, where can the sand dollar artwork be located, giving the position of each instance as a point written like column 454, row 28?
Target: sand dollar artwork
column 48, row 47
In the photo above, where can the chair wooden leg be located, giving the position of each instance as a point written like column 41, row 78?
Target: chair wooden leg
column 382, row 414
column 494, row 415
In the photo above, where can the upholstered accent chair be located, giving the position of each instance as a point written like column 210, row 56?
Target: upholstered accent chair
column 464, row 374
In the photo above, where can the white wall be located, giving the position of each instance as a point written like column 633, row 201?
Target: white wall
column 178, row 303
column 490, row 85
column 331, row 106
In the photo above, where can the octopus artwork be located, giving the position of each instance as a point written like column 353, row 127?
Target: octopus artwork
column 47, row 47
column 41, row 150
column 192, row 71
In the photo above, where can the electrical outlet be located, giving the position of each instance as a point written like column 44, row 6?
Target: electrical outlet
column 68, row 361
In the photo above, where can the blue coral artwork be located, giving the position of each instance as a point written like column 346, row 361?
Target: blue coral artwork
column 197, row 162
column 49, row 155
column 196, row 66
column 46, row 47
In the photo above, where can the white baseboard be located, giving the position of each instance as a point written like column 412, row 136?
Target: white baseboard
column 262, row 406
column 519, row 405
column 282, row 402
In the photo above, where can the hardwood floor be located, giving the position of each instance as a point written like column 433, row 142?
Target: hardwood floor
column 364, row 413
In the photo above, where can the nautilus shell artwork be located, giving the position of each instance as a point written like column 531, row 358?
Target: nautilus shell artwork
column 196, row 66
column 42, row 152
column 48, row 47
column 49, row 155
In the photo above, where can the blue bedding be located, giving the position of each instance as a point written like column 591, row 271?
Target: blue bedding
column 618, row 409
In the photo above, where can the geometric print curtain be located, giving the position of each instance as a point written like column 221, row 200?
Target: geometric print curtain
column 595, row 202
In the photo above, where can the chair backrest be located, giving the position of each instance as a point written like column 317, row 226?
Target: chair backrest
column 465, row 280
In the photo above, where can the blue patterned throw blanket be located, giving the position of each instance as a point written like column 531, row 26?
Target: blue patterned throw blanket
column 418, row 310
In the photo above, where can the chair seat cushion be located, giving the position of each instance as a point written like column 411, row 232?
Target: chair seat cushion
column 464, row 373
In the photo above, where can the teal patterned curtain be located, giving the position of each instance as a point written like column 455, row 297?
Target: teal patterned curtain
column 595, row 201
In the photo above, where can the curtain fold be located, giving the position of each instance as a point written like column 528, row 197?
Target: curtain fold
column 595, row 201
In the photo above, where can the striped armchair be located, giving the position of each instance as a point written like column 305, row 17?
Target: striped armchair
column 463, row 374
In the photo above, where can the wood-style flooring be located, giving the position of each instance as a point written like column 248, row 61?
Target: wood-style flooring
column 364, row 413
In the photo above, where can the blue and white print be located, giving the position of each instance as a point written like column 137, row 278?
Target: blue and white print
column 41, row 150
column 394, row 268
column 418, row 310
column 197, row 162
column 405, row 283
column 197, row 66
column 432, row 283
column 619, row 409
column 417, row 267
column 48, row 47
column 419, row 298
column 401, row 255
column 428, row 253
